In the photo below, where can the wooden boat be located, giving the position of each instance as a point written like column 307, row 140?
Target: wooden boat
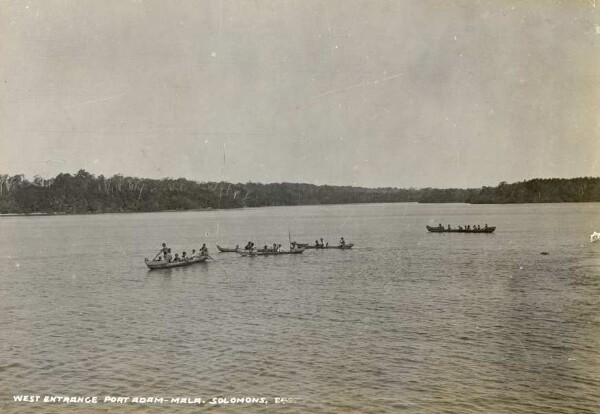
column 161, row 264
column 445, row 230
column 227, row 250
column 344, row 247
column 270, row 253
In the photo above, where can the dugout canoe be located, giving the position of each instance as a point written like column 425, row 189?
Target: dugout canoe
column 161, row 264
column 270, row 253
column 227, row 250
column 344, row 247
column 445, row 230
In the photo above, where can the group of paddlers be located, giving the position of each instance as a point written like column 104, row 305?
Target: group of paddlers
column 467, row 227
column 320, row 243
column 169, row 258
column 250, row 246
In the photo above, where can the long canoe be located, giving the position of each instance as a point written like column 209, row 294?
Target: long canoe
column 445, row 230
column 161, row 264
column 227, row 250
column 230, row 250
column 340, row 247
column 269, row 253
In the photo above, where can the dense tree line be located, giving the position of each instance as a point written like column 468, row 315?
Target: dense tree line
column 551, row 190
column 86, row 193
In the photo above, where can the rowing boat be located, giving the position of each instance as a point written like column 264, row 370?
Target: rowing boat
column 340, row 247
column 269, row 253
column 227, row 250
column 161, row 264
column 446, row 230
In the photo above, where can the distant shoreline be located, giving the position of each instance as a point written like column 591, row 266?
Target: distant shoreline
column 93, row 213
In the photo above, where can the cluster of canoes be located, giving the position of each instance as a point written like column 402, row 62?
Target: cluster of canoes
column 164, row 259
column 168, row 261
column 250, row 249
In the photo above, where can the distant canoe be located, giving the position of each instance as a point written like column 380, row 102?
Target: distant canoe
column 227, row 250
column 344, row 247
column 161, row 264
column 445, row 230
column 269, row 253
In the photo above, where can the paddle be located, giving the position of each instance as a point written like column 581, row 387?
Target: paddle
column 219, row 264
column 157, row 254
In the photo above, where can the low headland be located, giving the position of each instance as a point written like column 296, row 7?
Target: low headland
column 85, row 193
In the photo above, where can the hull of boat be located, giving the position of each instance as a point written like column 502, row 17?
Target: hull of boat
column 445, row 230
column 344, row 247
column 226, row 250
column 270, row 253
column 160, row 264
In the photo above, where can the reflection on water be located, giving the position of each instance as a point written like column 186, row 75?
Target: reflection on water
column 406, row 321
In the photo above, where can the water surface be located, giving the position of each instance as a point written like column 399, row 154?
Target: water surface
column 406, row 321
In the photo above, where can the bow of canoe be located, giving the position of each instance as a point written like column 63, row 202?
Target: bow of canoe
column 226, row 250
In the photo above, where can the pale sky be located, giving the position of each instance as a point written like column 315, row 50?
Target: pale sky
column 370, row 93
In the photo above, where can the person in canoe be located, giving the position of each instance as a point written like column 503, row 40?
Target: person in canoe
column 342, row 242
column 193, row 254
column 176, row 258
column 168, row 256
column 204, row 250
column 162, row 251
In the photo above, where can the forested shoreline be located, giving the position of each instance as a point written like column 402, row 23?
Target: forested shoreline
column 86, row 193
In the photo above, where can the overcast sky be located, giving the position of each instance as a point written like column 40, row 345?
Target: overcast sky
column 371, row 93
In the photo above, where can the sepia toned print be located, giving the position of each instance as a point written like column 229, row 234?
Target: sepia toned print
column 299, row 206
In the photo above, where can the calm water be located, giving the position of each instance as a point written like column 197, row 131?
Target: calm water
column 407, row 321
